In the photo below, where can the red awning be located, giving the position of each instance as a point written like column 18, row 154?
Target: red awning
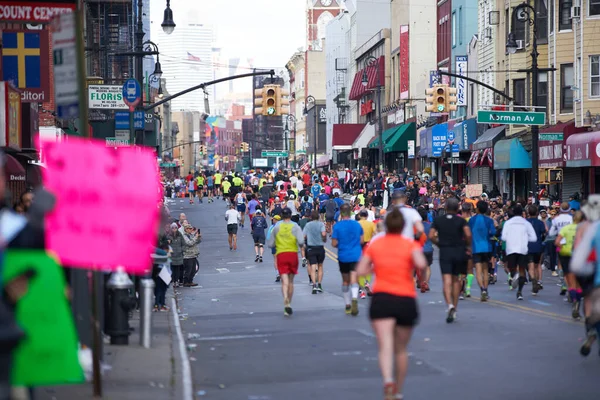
column 323, row 161
column 583, row 149
column 344, row 135
column 358, row 90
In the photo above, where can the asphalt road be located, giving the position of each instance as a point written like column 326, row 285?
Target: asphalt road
column 242, row 347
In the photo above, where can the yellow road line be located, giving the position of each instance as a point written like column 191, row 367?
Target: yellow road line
column 509, row 306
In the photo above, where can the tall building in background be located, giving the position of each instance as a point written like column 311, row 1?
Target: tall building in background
column 186, row 57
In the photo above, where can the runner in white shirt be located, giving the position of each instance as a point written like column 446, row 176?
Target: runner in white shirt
column 233, row 217
column 413, row 223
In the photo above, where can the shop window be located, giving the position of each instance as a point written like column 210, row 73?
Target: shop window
column 564, row 18
column 566, row 92
column 595, row 76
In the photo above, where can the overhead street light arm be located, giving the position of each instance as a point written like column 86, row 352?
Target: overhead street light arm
column 205, row 84
column 466, row 78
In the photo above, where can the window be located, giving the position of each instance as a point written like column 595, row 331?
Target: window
column 564, row 18
column 566, row 93
column 454, row 28
column 542, row 91
column 594, row 7
column 519, row 92
column 471, row 100
column 506, row 26
column 551, row 12
column 595, row 76
column 506, row 88
column 460, row 24
column 541, row 20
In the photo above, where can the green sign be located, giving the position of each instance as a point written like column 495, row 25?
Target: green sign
column 551, row 136
column 114, row 142
column 511, row 117
column 271, row 110
column 301, row 152
column 48, row 354
column 274, row 153
column 167, row 164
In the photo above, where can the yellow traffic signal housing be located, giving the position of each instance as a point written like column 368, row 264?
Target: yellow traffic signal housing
column 451, row 99
column 246, row 146
column 283, row 102
column 429, row 99
column 439, row 98
column 242, row 147
column 270, row 99
column 259, row 102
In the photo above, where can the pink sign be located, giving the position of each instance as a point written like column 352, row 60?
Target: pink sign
column 106, row 212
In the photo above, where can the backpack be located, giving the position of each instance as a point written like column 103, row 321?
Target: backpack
column 277, row 210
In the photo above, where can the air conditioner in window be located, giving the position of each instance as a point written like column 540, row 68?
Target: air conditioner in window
column 520, row 44
column 576, row 12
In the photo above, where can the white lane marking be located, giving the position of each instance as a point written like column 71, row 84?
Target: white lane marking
column 366, row 333
column 186, row 370
column 347, row 353
column 222, row 270
column 233, row 337
column 236, row 262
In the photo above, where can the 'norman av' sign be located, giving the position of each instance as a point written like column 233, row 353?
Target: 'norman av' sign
column 511, row 117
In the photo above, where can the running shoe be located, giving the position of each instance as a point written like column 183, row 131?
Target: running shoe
column 314, row 289
column 390, row 391
column 354, row 308
column 575, row 310
column 586, row 347
column 260, row 259
column 460, row 296
column 554, row 273
column 515, row 281
column 155, row 309
column 451, row 315
column 257, row 258
column 362, row 294
column 519, row 296
column 468, row 293
column 319, row 288
column 540, row 285
column 348, row 309
column 287, row 311
column 278, row 278
column 563, row 290
column 368, row 289
column 164, row 308
column 484, row 295
column 193, row 284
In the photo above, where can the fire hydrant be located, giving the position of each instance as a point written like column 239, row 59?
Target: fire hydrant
column 120, row 304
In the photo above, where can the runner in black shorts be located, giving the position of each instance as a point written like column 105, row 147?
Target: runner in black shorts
column 315, row 237
column 452, row 235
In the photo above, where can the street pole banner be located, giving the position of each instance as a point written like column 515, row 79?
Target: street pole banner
column 99, row 222
column 461, row 84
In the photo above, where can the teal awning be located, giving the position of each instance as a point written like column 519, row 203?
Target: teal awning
column 510, row 154
column 400, row 138
column 387, row 134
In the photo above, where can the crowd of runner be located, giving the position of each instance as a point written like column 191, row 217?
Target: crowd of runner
column 388, row 225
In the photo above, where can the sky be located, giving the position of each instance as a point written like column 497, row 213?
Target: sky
column 268, row 31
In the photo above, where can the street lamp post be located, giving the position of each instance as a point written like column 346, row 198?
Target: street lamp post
column 525, row 13
column 311, row 99
column 373, row 61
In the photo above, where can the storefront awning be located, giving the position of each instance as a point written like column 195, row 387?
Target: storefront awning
column 510, row 154
column 489, row 138
column 358, row 90
column 13, row 169
column 323, row 161
column 583, row 150
column 400, row 138
column 366, row 135
column 387, row 135
column 344, row 135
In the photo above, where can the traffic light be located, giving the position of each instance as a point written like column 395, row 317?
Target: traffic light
column 245, row 147
column 202, row 149
column 429, row 99
column 451, row 99
column 242, row 147
column 283, row 102
column 439, row 98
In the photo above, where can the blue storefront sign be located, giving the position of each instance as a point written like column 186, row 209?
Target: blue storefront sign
column 465, row 133
column 439, row 137
column 121, row 120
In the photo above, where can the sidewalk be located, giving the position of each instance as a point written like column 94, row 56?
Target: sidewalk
column 135, row 372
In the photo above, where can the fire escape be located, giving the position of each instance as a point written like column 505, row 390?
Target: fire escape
column 341, row 102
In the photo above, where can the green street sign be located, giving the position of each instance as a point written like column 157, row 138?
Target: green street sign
column 274, row 153
column 511, row 117
column 167, row 164
column 551, row 136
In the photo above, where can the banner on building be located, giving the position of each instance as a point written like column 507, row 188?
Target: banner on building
column 37, row 12
column 461, row 84
column 399, row 116
column 411, row 149
column 26, row 63
column 404, row 62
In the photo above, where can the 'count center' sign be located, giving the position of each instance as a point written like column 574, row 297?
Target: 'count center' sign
column 106, row 97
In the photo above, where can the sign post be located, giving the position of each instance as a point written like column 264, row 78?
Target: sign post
column 132, row 95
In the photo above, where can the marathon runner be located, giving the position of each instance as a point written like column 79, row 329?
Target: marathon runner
column 232, row 216
column 218, row 179
column 286, row 238
column 315, row 236
column 369, row 229
column 347, row 237
column 240, row 201
column 482, row 231
column 258, row 225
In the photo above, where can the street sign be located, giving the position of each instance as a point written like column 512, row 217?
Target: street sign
column 64, row 52
column 260, row 162
column 114, row 142
column 551, row 136
column 132, row 93
column 122, row 134
column 167, row 164
column 274, row 153
column 121, row 120
column 138, row 120
column 511, row 117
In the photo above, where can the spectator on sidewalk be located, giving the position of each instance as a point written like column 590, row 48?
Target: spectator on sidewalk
column 191, row 238
column 161, row 260
column 177, row 245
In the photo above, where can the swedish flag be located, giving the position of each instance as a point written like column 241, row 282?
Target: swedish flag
column 21, row 62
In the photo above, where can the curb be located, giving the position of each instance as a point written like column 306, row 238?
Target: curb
column 186, row 371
